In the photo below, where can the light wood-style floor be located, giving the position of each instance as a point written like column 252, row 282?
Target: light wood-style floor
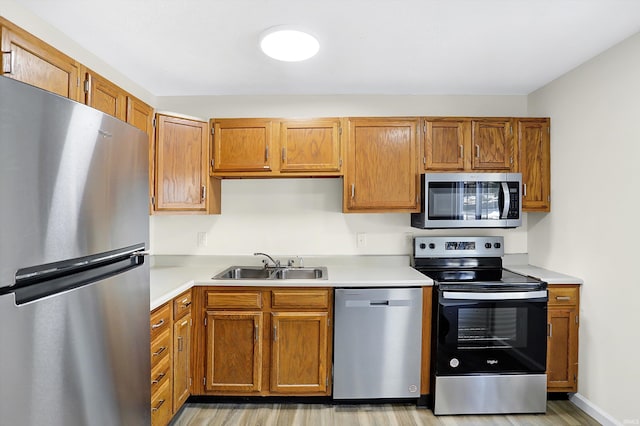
column 558, row 413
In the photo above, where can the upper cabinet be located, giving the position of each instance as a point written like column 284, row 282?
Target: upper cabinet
column 468, row 144
column 30, row 60
column 534, row 163
column 182, row 181
column 265, row 147
column 382, row 173
column 140, row 115
column 103, row 95
column 492, row 144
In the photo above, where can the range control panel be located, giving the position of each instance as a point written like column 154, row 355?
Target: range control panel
column 458, row 246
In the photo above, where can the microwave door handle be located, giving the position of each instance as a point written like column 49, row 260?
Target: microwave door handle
column 507, row 199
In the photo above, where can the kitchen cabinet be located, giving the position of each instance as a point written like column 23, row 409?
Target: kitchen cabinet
column 492, row 144
column 562, row 343
column 161, row 365
column 182, row 330
column 140, row 115
column 30, row 60
column 182, row 183
column 101, row 94
column 382, row 173
column 445, row 142
column 263, row 341
column 266, row 147
column 534, row 163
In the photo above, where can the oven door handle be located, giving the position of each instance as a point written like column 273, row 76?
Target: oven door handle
column 510, row 295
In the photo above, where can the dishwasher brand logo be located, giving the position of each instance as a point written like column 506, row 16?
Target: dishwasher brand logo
column 492, row 361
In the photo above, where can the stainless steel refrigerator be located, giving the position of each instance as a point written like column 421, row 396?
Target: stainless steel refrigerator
column 74, row 287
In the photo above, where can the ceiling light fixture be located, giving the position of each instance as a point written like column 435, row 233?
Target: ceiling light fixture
column 288, row 44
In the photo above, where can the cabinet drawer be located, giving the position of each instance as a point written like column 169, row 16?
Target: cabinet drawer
column 249, row 299
column 161, row 406
column 160, row 320
column 563, row 295
column 160, row 348
column 311, row 299
column 160, row 374
column 182, row 305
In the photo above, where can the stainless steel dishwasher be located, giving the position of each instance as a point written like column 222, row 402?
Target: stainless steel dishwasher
column 377, row 343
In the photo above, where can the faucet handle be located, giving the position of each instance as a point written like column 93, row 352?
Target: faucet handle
column 298, row 262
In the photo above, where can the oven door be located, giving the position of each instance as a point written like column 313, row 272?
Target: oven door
column 491, row 332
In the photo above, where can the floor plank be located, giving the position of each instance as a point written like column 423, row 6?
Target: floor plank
column 559, row 413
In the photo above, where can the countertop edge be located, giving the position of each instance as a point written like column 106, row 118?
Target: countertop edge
column 550, row 277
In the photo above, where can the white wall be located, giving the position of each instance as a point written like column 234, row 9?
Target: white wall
column 593, row 231
column 27, row 20
column 304, row 216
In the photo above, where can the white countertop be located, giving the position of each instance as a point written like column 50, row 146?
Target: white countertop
column 168, row 281
column 551, row 277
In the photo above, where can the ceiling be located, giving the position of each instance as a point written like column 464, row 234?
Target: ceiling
column 210, row 47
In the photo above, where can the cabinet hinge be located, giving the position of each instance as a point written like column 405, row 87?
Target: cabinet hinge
column 511, row 159
column 340, row 130
column 7, row 62
column 153, row 201
column 329, row 322
column 190, row 322
column 153, row 122
column 204, row 381
column 86, row 86
column 576, row 319
column 190, row 381
column 212, row 163
column 511, row 129
column 205, row 321
column 213, row 130
column 424, row 160
column 340, row 163
column 424, row 127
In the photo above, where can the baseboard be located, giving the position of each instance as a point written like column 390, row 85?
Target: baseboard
column 593, row 410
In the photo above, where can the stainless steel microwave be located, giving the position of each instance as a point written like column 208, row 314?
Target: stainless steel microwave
column 470, row 200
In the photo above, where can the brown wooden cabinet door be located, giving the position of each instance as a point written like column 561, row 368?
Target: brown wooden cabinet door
column 492, row 144
column 444, row 145
column 30, row 60
column 140, row 115
column 181, row 168
column 299, row 352
column 242, row 145
column 382, row 172
column 182, row 377
column 101, row 94
column 534, row 163
column 562, row 350
column 234, row 351
column 310, row 145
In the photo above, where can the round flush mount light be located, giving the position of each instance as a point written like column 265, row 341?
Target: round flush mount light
column 288, row 44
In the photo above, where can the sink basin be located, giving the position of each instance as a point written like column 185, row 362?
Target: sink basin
column 260, row 273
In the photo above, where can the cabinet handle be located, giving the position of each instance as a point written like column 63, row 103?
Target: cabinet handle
column 563, row 298
column 255, row 333
column 275, row 333
column 284, row 155
column 477, row 151
column 550, row 330
column 204, row 193
column 157, row 379
column 162, row 349
column 186, row 304
column 157, row 407
column 7, row 62
column 158, row 324
column 461, row 151
column 524, row 189
column 353, row 191
column 180, row 344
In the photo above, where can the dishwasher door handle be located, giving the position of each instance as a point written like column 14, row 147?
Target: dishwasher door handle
column 378, row 303
column 382, row 303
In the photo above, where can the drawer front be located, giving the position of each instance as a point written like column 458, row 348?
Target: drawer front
column 303, row 299
column 564, row 295
column 161, row 406
column 250, row 299
column 160, row 320
column 182, row 305
column 160, row 375
column 160, row 348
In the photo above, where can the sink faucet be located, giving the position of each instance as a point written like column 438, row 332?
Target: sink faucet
column 276, row 263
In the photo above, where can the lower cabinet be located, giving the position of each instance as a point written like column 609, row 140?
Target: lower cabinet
column 264, row 341
column 562, row 344
column 171, row 372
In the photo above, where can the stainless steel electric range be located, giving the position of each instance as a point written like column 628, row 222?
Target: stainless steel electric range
column 489, row 328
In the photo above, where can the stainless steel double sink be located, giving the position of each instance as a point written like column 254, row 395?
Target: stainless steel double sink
column 272, row 273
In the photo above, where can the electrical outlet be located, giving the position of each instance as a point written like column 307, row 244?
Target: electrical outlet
column 361, row 240
column 202, row 239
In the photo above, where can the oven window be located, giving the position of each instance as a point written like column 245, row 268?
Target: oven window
column 492, row 328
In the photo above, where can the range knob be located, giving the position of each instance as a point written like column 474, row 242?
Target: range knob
column 423, row 246
column 496, row 245
column 487, row 245
column 432, row 246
